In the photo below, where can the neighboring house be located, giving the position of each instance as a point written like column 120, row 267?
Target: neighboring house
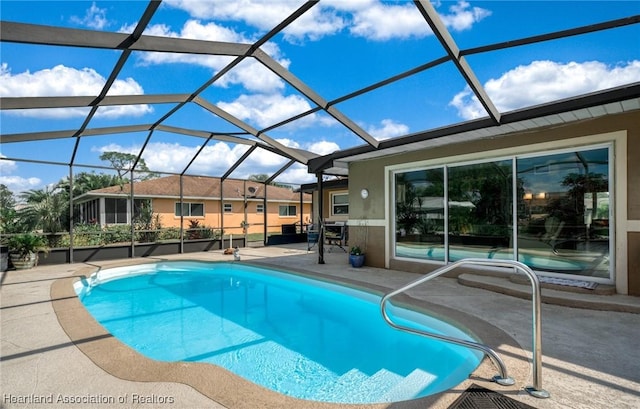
column 240, row 201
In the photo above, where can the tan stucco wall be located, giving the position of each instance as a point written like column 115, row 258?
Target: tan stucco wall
column 370, row 174
column 326, row 199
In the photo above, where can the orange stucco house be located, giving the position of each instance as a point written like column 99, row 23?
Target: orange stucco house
column 225, row 205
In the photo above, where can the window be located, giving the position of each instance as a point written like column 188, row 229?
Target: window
column 285, row 210
column 115, row 211
column 89, row 212
column 142, row 209
column 260, row 208
column 420, row 213
column 227, row 208
column 189, row 209
column 340, row 204
column 547, row 210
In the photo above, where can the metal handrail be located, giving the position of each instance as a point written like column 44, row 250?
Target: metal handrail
column 503, row 379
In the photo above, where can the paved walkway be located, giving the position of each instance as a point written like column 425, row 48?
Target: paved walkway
column 590, row 358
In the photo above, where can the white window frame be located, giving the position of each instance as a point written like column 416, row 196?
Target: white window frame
column 333, row 204
column 104, row 211
column 187, row 205
column 227, row 207
column 260, row 208
column 617, row 143
column 288, row 206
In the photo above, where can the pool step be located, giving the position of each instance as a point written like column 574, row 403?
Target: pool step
column 584, row 299
column 409, row 386
column 356, row 386
column 382, row 386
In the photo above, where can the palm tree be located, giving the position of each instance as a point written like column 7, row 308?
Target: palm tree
column 84, row 182
column 46, row 209
column 9, row 222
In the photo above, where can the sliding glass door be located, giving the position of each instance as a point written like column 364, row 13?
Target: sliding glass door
column 548, row 210
column 563, row 217
column 480, row 198
column 420, row 214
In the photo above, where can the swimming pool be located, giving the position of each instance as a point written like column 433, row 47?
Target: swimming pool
column 303, row 338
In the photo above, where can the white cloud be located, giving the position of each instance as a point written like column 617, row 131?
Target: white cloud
column 323, row 147
column 363, row 18
column 384, row 21
column 545, row 81
column 263, row 14
column 288, row 142
column 315, row 24
column 298, row 174
column 7, row 166
column 388, row 129
column 249, row 73
column 254, row 76
column 19, row 184
column 215, row 159
column 266, row 14
column 218, row 157
column 462, row 16
column 94, row 18
column 66, row 81
column 265, row 110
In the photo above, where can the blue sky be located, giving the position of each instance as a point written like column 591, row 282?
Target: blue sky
column 338, row 47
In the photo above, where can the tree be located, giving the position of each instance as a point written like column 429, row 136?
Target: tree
column 6, row 198
column 123, row 163
column 259, row 177
column 46, row 209
column 84, row 182
column 262, row 177
column 408, row 206
column 9, row 222
column 570, row 208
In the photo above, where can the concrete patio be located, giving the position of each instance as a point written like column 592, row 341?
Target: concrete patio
column 590, row 357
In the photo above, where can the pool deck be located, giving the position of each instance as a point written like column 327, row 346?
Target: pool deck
column 51, row 350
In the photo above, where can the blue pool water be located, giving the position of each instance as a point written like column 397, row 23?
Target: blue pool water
column 300, row 337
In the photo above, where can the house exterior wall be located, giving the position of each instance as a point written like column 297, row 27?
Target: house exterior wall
column 327, row 213
column 375, row 210
column 232, row 220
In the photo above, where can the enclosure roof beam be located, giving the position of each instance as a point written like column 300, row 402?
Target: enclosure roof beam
column 440, row 30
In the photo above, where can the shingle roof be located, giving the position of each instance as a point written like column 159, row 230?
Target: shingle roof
column 199, row 187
